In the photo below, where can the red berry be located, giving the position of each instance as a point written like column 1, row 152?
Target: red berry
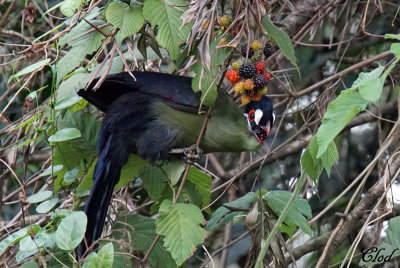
column 232, row 76
column 267, row 76
column 260, row 67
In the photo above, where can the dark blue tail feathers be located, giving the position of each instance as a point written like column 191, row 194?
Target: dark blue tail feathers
column 106, row 175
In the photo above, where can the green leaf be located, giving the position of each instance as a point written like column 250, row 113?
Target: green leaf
column 47, row 205
column 69, row 62
column 277, row 200
column 29, row 264
column 29, row 69
column 206, row 81
column 281, row 39
column 106, row 256
column 202, row 182
column 67, row 102
column 142, row 231
column 366, row 77
column 27, row 244
column 180, row 225
column 91, row 261
column 313, row 168
column 68, row 7
column 129, row 19
column 65, row 135
column 392, row 36
column 68, row 88
column 154, row 181
column 339, row 113
column 369, row 84
column 70, row 175
column 174, row 171
column 395, row 49
column 39, row 197
column 51, row 170
column 329, row 157
column 130, row 170
column 166, row 15
column 224, row 215
column 71, row 230
column 393, row 232
column 16, row 237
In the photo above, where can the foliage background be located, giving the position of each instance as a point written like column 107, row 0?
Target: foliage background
column 334, row 42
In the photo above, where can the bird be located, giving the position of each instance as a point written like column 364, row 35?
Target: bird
column 149, row 115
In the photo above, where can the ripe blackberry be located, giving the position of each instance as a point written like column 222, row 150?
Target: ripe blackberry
column 247, row 52
column 268, row 50
column 259, row 82
column 247, row 70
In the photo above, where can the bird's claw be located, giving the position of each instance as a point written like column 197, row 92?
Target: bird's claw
column 193, row 152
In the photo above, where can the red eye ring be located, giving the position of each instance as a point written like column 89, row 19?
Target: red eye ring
column 251, row 115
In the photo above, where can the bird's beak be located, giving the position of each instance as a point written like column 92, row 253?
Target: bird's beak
column 262, row 133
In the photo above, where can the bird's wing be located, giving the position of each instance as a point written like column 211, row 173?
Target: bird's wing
column 174, row 90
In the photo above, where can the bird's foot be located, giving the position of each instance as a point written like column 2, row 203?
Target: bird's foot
column 191, row 153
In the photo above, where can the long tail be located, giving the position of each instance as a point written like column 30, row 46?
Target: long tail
column 106, row 175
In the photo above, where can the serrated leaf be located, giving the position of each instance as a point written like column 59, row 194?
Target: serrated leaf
column 206, row 81
column 68, row 7
column 277, row 200
column 202, row 182
column 39, row 197
column 281, row 39
column 154, row 181
column 312, row 168
column 29, row 69
column 47, row 205
column 180, row 225
column 166, row 15
column 395, row 49
column 106, row 256
column 142, row 231
column 69, row 62
column 129, row 19
column 65, row 135
column 329, row 157
column 366, row 77
column 71, row 230
column 224, row 215
column 339, row 113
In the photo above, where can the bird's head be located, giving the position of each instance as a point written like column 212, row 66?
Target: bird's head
column 260, row 118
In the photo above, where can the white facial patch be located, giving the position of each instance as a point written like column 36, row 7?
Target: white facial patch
column 273, row 118
column 257, row 116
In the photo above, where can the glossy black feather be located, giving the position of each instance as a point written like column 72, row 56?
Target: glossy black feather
column 172, row 89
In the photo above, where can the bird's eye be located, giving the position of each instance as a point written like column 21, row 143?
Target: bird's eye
column 251, row 115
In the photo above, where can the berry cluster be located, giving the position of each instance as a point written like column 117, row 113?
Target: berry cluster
column 250, row 80
column 255, row 49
